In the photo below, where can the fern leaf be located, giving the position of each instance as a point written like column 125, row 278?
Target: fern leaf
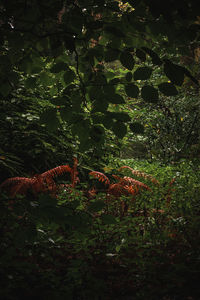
column 140, row 174
column 100, row 176
column 130, row 181
column 17, row 185
column 56, row 171
column 117, row 190
column 15, row 180
column 44, row 184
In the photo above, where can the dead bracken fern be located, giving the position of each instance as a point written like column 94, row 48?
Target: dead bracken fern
column 124, row 185
column 135, row 183
column 18, row 185
column 40, row 183
column 100, row 176
column 140, row 174
column 118, row 190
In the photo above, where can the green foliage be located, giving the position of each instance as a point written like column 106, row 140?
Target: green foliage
column 99, row 79
column 149, row 94
column 66, row 245
column 132, row 90
column 168, row 89
column 69, row 57
column 137, row 128
column 142, row 73
column 127, row 60
column 174, row 73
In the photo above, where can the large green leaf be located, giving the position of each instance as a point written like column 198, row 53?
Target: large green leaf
column 141, row 54
column 95, row 93
column 60, row 100
column 97, row 133
column 50, row 119
column 14, row 77
column 99, row 105
column 108, row 90
column 142, row 73
column 69, row 76
column 114, row 31
column 119, row 129
column 174, row 72
column 137, row 128
column 154, row 56
column 107, row 121
column 127, row 61
column 66, row 114
column 121, row 116
column 58, row 67
column 111, row 55
column 149, row 94
column 129, row 76
column 96, row 206
column 81, row 129
column 30, row 83
column 5, row 89
column 115, row 99
column 132, row 90
column 46, row 79
column 188, row 74
column 168, row 89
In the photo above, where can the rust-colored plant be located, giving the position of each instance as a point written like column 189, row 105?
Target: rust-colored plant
column 124, row 186
column 40, row 183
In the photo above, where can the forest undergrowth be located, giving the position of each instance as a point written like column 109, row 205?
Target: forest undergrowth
column 131, row 231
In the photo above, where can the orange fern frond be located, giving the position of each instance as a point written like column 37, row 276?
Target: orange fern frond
column 117, row 190
column 15, row 180
column 39, row 183
column 18, row 185
column 91, row 193
column 140, row 174
column 130, row 181
column 100, row 176
column 44, row 184
column 50, row 174
column 133, row 190
column 125, row 167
